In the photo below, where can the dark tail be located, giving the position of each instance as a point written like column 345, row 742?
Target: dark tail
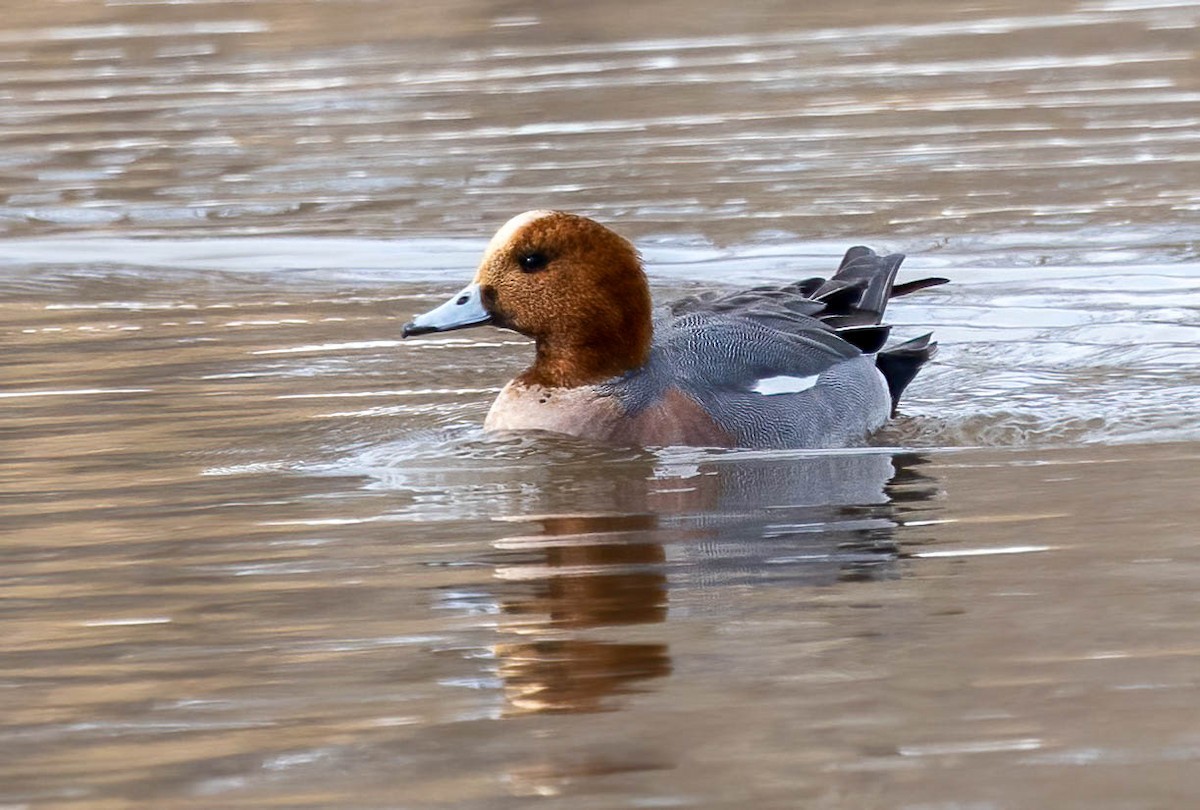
column 901, row 363
column 863, row 285
column 873, row 275
column 858, row 293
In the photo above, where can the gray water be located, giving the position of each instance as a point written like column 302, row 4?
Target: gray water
column 258, row 553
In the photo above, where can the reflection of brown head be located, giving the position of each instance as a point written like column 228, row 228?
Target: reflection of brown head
column 593, row 572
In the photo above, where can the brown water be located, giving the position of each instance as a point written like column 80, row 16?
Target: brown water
column 257, row 552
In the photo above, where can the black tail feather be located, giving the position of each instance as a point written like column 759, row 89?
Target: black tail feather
column 920, row 284
column 868, row 339
column 865, row 270
column 873, row 277
column 901, row 363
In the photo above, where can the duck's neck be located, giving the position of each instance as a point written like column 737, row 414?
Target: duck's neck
column 573, row 366
column 595, row 351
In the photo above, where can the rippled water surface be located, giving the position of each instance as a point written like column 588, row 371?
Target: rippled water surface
column 257, row 552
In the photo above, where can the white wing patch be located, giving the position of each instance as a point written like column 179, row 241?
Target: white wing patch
column 770, row 386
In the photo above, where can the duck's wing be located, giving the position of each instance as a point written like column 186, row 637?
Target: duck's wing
column 854, row 296
column 780, row 380
column 734, row 350
column 850, row 304
column 794, row 365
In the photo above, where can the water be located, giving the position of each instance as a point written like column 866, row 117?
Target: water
column 257, row 551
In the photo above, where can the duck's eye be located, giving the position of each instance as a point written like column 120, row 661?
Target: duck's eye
column 533, row 261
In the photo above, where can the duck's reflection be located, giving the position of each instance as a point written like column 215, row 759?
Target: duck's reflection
column 585, row 572
column 567, row 583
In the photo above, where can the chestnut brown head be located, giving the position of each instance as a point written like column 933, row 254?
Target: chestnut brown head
column 574, row 286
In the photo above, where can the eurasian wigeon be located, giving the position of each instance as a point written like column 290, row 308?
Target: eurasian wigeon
column 796, row 366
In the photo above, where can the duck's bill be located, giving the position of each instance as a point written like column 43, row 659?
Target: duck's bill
column 465, row 308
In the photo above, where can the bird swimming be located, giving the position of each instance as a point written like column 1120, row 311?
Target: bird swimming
column 799, row 366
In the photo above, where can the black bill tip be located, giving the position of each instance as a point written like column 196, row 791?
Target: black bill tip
column 410, row 329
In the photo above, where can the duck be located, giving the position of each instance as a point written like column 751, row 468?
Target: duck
column 797, row 366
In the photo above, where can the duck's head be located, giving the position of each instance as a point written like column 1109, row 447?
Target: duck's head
column 571, row 284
